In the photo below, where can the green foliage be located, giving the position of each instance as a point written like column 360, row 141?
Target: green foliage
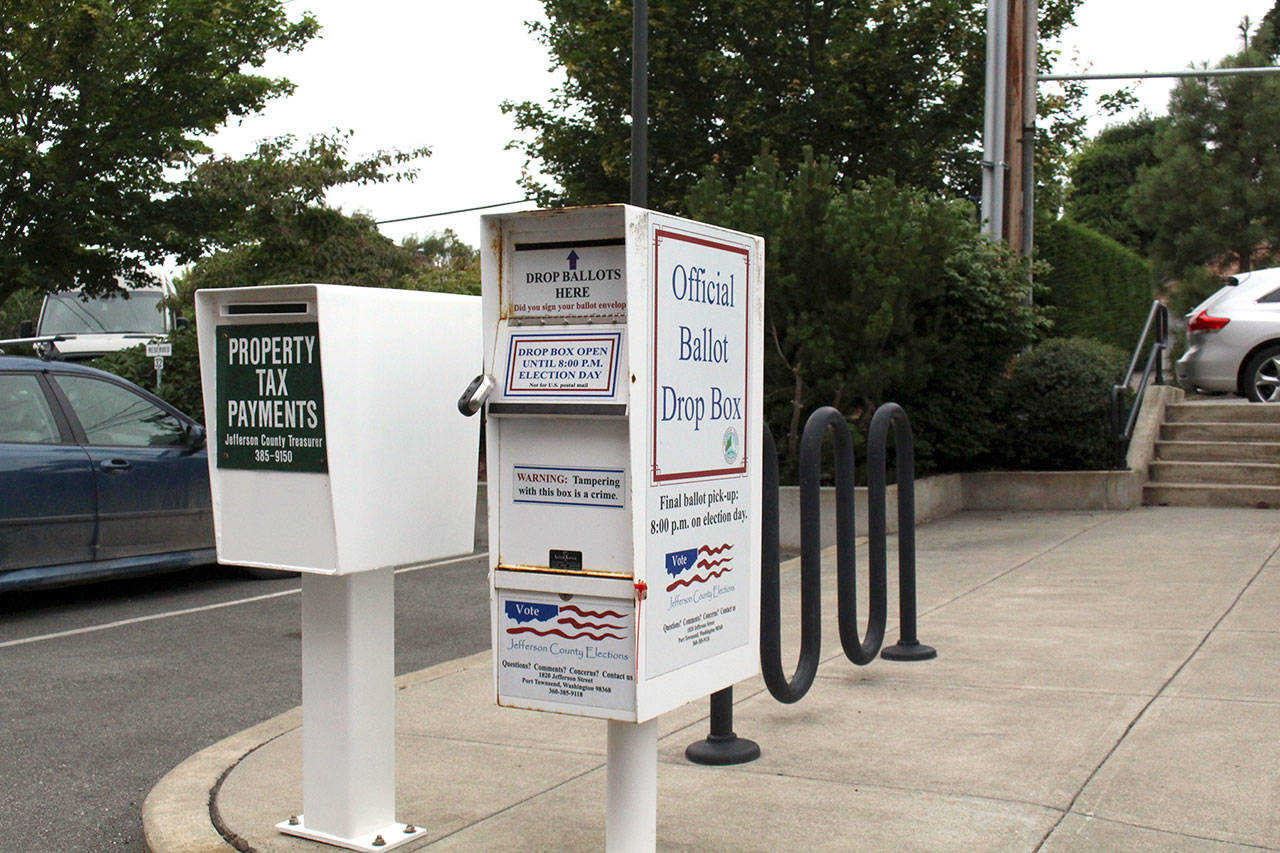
column 181, row 376
column 1103, row 175
column 1097, row 288
column 23, row 305
column 325, row 246
column 881, row 86
column 99, row 102
column 317, row 244
column 877, row 293
column 1056, row 407
column 445, row 264
column 1193, row 287
column 1214, row 195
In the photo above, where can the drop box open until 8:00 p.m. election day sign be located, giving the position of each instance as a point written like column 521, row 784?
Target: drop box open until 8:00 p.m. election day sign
column 624, row 458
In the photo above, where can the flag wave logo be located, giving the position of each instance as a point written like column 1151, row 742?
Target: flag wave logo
column 706, row 562
column 565, row 620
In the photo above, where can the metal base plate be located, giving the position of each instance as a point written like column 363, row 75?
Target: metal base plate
column 722, row 752
column 914, row 651
column 387, row 838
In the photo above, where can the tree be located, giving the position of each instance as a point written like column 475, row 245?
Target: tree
column 880, row 87
column 310, row 244
column 265, row 216
column 877, row 293
column 99, row 102
column 445, row 264
column 1214, row 195
column 1103, row 175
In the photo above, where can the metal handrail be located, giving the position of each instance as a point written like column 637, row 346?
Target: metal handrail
column 1157, row 320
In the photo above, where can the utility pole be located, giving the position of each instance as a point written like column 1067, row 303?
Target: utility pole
column 1014, row 85
column 1009, row 128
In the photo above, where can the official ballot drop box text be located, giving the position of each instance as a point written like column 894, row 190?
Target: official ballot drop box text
column 335, row 444
column 623, row 441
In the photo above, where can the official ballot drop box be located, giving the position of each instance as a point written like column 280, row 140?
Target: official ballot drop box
column 335, row 444
column 623, row 438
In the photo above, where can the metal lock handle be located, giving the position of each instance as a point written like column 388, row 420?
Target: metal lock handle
column 475, row 395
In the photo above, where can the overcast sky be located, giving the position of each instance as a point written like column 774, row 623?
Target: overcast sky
column 404, row 73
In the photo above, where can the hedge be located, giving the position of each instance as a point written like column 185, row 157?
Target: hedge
column 1096, row 287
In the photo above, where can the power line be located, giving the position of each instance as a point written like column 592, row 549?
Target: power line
column 1144, row 75
column 450, row 212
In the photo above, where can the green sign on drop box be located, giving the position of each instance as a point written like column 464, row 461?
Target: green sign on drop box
column 270, row 398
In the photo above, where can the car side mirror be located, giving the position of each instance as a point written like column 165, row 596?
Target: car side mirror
column 26, row 329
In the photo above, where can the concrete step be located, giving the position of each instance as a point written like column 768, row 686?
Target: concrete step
column 1240, row 412
column 1218, row 451
column 1172, row 494
column 1220, row 431
column 1231, row 473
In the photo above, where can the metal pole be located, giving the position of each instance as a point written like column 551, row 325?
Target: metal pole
column 640, row 103
column 348, row 713
column 1031, row 49
column 993, row 162
column 631, row 782
column 722, row 746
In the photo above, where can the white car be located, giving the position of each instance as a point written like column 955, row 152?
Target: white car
column 1233, row 339
column 94, row 326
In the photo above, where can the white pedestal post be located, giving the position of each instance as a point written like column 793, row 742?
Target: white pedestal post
column 348, row 713
column 631, row 808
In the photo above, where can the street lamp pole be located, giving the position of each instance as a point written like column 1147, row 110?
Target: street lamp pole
column 640, row 103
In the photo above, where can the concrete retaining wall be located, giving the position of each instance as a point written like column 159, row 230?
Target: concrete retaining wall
column 936, row 497
column 1052, row 490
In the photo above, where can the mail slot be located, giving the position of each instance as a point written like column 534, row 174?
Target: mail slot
column 334, row 442
column 623, row 441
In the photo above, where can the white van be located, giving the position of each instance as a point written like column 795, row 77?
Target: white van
column 94, row 326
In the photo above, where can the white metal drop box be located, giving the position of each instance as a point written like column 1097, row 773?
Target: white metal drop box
column 335, row 443
column 624, row 458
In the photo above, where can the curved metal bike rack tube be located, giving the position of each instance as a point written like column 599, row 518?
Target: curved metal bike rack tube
column 861, row 652
column 785, row 689
column 892, row 415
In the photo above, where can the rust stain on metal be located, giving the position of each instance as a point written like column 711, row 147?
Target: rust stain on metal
column 495, row 246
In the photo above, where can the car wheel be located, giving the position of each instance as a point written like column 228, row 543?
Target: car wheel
column 1262, row 376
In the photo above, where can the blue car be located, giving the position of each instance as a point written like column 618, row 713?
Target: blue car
column 98, row 478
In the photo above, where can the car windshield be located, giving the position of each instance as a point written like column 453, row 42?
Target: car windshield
column 70, row 314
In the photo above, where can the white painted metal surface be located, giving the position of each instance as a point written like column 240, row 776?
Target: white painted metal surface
column 348, row 707
column 631, row 810
column 624, row 449
column 394, row 483
column 336, row 449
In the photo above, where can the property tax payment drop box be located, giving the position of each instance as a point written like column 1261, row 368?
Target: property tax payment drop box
column 334, row 443
column 336, row 449
column 624, row 458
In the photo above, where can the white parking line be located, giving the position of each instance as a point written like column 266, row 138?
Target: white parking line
column 89, row 629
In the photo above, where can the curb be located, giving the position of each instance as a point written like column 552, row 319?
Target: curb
column 177, row 813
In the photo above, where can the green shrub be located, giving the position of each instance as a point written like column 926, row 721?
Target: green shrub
column 877, row 293
column 181, row 376
column 1096, row 287
column 1056, row 408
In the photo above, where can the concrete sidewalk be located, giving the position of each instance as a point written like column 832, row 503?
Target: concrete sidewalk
column 1105, row 681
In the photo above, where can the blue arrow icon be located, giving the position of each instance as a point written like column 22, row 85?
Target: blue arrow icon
column 573, row 259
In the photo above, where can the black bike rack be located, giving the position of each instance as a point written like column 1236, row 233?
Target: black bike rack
column 908, row 647
column 722, row 746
